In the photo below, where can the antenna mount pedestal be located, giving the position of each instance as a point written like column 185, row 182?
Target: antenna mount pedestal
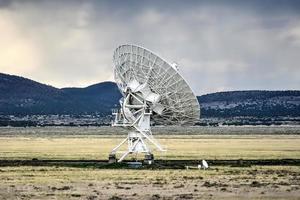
column 134, row 115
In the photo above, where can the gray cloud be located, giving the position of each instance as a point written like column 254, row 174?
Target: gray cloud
column 220, row 45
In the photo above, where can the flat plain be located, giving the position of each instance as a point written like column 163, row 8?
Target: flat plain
column 192, row 143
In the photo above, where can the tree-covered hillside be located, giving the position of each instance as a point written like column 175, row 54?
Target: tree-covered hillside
column 21, row 96
column 251, row 103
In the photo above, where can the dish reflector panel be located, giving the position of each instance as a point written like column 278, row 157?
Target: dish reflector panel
column 174, row 103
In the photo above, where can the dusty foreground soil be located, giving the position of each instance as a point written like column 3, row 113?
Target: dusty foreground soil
column 256, row 182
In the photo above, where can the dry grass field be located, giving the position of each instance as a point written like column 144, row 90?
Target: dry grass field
column 178, row 147
column 190, row 143
column 218, row 182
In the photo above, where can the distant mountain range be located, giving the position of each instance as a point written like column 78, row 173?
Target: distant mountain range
column 22, row 96
column 253, row 103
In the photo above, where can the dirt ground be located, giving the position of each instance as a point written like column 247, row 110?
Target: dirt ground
column 256, row 182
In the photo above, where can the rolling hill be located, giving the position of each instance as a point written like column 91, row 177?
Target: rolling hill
column 21, row 96
column 251, row 104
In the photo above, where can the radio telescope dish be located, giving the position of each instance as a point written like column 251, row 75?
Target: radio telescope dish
column 153, row 91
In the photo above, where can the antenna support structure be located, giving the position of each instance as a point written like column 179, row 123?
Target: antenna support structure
column 135, row 113
column 152, row 91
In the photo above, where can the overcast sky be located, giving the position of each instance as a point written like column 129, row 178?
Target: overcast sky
column 219, row 45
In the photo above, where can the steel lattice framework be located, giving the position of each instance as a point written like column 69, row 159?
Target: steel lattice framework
column 180, row 105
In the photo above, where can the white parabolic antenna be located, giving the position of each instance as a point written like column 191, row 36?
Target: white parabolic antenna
column 153, row 92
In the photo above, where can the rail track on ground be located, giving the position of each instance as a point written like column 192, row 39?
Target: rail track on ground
column 158, row 164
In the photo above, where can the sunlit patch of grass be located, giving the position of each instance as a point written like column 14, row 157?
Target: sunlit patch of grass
column 178, row 147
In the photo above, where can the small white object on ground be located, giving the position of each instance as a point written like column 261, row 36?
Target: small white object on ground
column 204, row 164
